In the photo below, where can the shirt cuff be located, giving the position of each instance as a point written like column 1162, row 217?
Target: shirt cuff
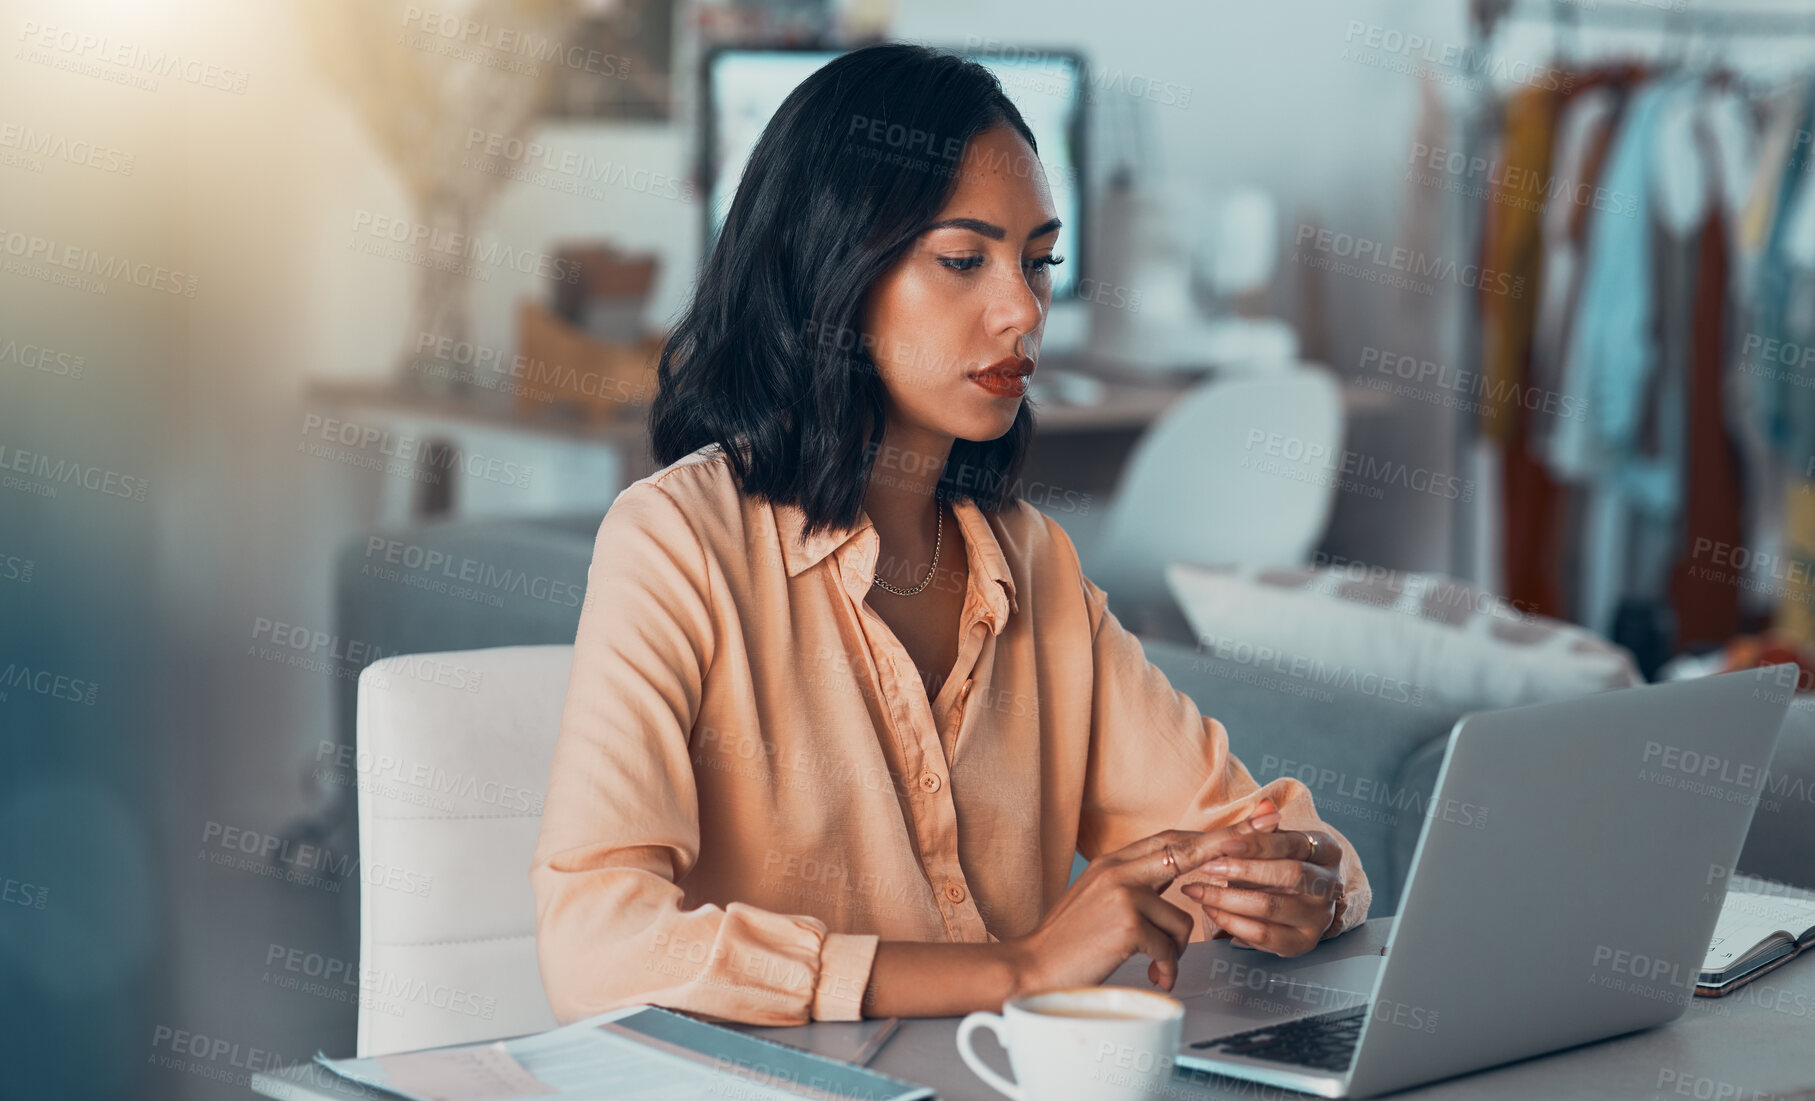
column 844, row 974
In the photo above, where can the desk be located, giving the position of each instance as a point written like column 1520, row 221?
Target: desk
column 1754, row 1042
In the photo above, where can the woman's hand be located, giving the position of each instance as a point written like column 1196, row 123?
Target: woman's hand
column 1115, row 910
column 1276, row 890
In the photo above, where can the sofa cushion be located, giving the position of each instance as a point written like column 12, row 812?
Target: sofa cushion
column 1412, row 634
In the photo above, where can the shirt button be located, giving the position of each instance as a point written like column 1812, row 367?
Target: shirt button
column 929, row 782
column 955, row 893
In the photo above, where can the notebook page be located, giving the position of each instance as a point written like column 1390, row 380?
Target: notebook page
column 1748, row 921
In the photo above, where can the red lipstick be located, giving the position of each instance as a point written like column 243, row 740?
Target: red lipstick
column 1005, row 378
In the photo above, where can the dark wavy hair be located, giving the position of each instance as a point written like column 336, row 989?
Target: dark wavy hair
column 769, row 360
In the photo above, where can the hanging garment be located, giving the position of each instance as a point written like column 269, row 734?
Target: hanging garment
column 1582, row 131
column 1782, row 311
column 1519, row 208
column 1512, row 232
column 1706, row 603
column 1613, row 351
column 1746, row 402
column 1788, row 577
column 1581, row 160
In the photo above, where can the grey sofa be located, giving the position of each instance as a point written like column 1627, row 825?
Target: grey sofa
column 1370, row 763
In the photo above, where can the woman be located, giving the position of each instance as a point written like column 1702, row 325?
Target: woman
column 842, row 706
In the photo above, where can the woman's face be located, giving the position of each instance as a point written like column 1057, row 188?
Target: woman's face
column 954, row 326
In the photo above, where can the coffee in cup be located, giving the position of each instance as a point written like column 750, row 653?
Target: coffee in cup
column 1102, row 1043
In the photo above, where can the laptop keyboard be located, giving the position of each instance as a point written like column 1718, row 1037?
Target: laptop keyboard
column 1326, row 1041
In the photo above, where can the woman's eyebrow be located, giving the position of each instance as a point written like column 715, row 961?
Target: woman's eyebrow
column 991, row 230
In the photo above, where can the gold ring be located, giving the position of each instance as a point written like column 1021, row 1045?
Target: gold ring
column 1167, row 859
column 1312, row 838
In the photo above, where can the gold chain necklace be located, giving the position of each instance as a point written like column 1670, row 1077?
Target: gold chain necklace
column 938, row 533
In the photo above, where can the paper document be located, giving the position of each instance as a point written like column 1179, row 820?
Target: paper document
column 641, row 1052
column 461, row 1074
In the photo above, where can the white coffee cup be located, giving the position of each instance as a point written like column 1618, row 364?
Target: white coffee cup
column 1102, row 1043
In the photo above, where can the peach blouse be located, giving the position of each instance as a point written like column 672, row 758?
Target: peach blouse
column 750, row 787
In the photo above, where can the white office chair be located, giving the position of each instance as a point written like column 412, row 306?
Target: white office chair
column 454, row 752
column 1209, row 484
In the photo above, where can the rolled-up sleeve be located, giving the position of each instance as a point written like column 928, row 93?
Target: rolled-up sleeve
column 1157, row 763
column 620, row 825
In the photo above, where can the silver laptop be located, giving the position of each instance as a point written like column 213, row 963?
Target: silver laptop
column 1571, row 867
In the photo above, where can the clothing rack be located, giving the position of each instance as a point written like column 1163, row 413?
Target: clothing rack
column 1568, row 18
column 1646, row 17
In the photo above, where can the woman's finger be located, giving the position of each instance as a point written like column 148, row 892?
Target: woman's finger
column 1288, row 845
column 1287, row 876
column 1281, row 940
column 1171, row 920
column 1158, row 945
column 1159, row 860
column 1268, row 906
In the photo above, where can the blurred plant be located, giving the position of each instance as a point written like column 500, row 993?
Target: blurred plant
column 421, row 94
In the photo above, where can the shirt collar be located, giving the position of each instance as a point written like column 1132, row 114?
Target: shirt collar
column 985, row 559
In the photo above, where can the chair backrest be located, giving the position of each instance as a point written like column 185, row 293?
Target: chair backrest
column 1240, row 470
column 454, row 751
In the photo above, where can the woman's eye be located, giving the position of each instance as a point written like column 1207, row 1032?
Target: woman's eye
column 964, row 263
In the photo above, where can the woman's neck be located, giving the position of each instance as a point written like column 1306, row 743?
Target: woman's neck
column 899, row 500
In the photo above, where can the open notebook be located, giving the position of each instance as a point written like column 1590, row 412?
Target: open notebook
column 640, row 1051
column 1756, row 933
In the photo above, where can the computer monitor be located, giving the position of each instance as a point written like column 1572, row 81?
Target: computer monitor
column 744, row 87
